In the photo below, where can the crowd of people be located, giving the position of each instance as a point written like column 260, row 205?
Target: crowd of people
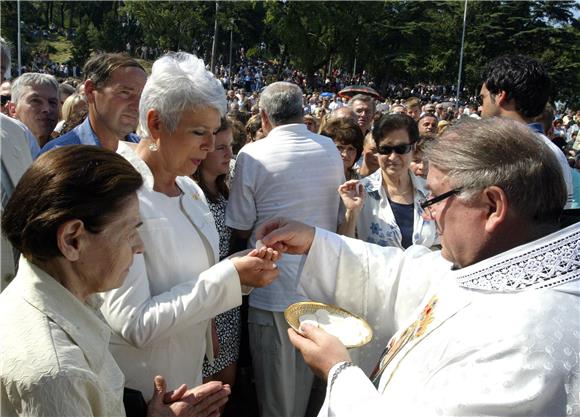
column 156, row 226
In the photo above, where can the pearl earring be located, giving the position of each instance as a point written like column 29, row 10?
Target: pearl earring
column 153, row 147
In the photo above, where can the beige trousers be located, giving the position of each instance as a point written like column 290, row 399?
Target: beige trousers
column 283, row 380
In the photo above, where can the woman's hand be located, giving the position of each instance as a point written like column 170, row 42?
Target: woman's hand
column 202, row 401
column 257, row 267
column 320, row 349
column 352, row 194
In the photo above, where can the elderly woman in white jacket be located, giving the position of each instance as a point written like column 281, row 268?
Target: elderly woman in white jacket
column 161, row 315
column 54, row 352
column 384, row 208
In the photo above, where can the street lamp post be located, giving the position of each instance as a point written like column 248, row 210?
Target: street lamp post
column 19, row 46
column 461, row 56
column 215, row 35
column 231, row 47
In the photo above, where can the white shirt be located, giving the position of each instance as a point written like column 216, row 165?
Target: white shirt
column 54, row 356
column 161, row 313
column 499, row 337
column 16, row 158
column 376, row 222
column 335, row 105
column 292, row 173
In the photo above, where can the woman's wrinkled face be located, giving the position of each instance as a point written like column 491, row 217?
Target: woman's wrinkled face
column 218, row 161
column 108, row 255
column 395, row 163
column 183, row 150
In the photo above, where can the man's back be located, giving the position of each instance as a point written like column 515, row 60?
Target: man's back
column 291, row 173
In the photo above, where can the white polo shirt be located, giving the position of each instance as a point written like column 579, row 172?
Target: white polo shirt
column 291, row 173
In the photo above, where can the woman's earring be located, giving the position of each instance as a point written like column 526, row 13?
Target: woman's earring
column 153, row 147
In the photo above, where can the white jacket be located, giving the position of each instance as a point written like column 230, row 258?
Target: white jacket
column 54, row 356
column 161, row 313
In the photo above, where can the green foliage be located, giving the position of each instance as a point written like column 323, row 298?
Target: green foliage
column 392, row 40
column 171, row 25
column 254, row 53
column 82, row 43
column 111, row 36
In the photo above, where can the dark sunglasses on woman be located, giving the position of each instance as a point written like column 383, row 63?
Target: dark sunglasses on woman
column 398, row 149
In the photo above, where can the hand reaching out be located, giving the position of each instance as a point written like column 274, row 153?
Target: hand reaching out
column 352, row 194
column 256, row 268
column 286, row 235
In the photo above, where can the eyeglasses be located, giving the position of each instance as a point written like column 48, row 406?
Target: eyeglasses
column 398, row 149
column 4, row 99
column 428, row 203
column 425, row 204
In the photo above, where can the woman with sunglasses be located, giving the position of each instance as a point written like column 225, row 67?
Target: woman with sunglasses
column 388, row 212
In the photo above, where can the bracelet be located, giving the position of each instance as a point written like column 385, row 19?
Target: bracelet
column 338, row 370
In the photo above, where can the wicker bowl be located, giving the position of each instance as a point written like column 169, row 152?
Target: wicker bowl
column 296, row 310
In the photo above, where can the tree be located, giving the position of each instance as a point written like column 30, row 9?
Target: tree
column 310, row 31
column 170, row 25
column 82, row 43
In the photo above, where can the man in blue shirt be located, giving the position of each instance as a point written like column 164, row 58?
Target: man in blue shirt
column 113, row 85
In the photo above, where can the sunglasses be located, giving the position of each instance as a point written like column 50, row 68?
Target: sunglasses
column 398, row 149
column 5, row 99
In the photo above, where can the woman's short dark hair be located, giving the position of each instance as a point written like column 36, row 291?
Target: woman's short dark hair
column 345, row 132
column 391, row 122
column 73, row 182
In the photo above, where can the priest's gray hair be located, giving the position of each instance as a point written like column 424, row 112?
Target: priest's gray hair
column 282, row 102
column 179, row 81
column 32, row 79
column 476, row 154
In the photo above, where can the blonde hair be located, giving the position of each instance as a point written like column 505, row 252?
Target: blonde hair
column 70, row 104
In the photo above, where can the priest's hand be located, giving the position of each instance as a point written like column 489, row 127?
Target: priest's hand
column 320, row 349
column 286, row 235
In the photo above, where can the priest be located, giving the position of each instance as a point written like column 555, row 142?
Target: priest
column 487, row 326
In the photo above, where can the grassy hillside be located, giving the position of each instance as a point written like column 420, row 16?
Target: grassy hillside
column 59, row 49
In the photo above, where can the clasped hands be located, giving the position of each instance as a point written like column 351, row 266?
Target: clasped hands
column 202, row 401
